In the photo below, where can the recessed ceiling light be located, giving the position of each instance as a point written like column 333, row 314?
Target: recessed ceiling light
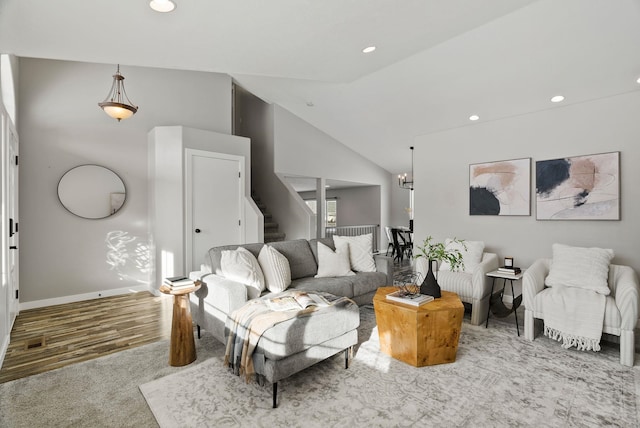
column 557, row 99
column 310, row 104
column 474, row 117
column 162, row 5
column 369, row 49
column 638, row 80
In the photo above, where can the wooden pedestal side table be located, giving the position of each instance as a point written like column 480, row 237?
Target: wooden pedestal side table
column 183, row 345
column 419, row 335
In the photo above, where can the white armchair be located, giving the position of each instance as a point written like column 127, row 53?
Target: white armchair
column 473, row 288
column 621, row 309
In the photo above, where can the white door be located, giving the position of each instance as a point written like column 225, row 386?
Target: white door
column 12, row 210
column 214, row 203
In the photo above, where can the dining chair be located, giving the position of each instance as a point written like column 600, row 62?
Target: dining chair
column 387, row 230
column 399, row 244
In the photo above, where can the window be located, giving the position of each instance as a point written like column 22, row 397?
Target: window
column 330, row 212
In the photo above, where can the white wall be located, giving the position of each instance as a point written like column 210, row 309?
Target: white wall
column 400, row 202
column 442, row 178
column 287, row 145
column 166, row 188
column 64, row 257
column 300, row 149
column 9, row 85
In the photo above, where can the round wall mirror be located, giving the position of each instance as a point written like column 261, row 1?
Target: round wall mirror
column 91, row 191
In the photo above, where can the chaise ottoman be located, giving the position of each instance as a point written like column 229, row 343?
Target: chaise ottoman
column 305, row 339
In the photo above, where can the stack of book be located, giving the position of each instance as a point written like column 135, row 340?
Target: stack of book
column 178, row 282
column 510, row 270
column 413, row 299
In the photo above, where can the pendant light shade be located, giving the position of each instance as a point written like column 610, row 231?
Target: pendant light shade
column 117, row 104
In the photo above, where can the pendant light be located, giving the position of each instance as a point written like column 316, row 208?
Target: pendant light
column 403, row 180
column 117, row 104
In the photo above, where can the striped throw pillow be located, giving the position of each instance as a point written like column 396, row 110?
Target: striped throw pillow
column 276, row 269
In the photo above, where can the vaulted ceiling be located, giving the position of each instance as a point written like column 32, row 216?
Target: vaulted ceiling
column 436, row 62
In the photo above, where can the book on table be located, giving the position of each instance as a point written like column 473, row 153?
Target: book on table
column 414, row 299
column 510, row 270
column 179, row 282
column 296, row 302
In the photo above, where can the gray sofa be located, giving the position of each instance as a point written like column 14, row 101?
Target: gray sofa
column 219, row 297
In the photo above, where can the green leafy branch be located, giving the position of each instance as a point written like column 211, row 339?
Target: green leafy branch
column 437, row 251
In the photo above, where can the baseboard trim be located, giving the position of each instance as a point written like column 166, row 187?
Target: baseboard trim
column 3, row 348
column 85, row 296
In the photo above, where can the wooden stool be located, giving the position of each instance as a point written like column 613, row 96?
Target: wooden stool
column 183, row 345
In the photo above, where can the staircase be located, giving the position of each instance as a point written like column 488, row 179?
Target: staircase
column 271, row 228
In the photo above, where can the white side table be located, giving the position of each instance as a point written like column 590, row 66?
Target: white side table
column 495, row 301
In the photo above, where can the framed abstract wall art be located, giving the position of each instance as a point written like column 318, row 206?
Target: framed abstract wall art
column 579, row 188
column 500, row 188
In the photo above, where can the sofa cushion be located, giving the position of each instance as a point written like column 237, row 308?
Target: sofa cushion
column 212, row 259
column 300, row 256
column 242, row 266
column 360, row 251
column 339, row 286
column 300, row 333
column 313, row 243
column 275, row 267
column 333, row 263
column 366, row 282
column 586, row 268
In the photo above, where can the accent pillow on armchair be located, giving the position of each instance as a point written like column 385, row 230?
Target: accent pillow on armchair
column 580, row 267
column 471, row 256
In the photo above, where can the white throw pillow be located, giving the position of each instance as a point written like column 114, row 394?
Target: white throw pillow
column 241, row 266
column 580, row 267
column 360, row 253
column 331, row 264
column 471, row 257
column 276, row 269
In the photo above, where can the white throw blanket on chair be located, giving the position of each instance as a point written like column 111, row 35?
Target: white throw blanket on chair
column 574, row 316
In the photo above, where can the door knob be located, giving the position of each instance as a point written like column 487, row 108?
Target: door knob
column 197, row 230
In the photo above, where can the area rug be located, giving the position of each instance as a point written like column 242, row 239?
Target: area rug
column 497, row 380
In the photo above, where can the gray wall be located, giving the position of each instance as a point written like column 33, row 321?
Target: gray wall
column 356, row 205
column 64, row 257
column 442, row 178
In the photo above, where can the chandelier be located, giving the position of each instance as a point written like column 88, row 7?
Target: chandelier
column 404, row 181
column 117, row 104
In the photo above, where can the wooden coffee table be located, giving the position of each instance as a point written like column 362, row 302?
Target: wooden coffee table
column 183, row 345
column 419, row 335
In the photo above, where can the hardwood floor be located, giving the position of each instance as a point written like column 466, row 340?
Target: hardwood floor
column 48, row 338
column 55, row 336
